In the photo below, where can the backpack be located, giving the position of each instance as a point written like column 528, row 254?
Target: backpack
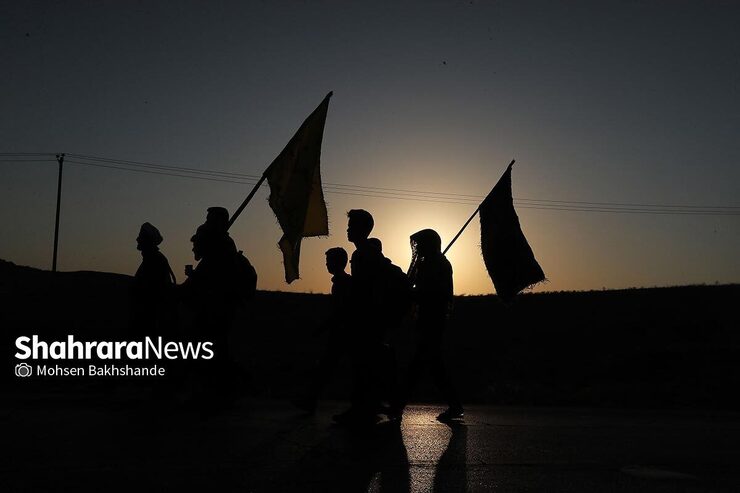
column 245, row 278
column 395, row 292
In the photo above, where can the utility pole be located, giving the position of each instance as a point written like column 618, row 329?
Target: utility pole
column 60, row 160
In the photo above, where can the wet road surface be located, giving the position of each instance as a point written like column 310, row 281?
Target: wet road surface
column 91, row 444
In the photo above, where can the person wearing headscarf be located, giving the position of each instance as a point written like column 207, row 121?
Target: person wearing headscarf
column 430, row 274
column 152, row 289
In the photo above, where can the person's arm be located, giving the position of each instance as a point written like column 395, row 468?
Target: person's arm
column 170, row 276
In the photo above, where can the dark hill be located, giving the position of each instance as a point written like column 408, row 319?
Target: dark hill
column 654, row 347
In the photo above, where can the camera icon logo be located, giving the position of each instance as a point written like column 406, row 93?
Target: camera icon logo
column 23, row 370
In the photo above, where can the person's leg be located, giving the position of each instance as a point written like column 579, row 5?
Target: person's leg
column 220, row 384
column 390, row 370
column 322, row 375
column 418, row 365
column 363, row 404
column 373, row 377
column 442, row 378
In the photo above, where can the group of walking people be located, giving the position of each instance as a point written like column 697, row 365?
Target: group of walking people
column 210, row 296
column 369, row 304
column 211, row 291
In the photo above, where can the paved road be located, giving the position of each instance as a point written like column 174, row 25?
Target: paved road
column 112, row 444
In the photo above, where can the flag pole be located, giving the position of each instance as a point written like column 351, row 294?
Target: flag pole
column 461, row 230
column 246, row 201
column 469, row 219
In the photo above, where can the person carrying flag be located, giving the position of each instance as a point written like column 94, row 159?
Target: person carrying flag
column 431, row 277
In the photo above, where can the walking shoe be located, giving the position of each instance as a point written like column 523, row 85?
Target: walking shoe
column 394, row 413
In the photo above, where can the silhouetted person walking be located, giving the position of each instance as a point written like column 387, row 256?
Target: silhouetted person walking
column 431, row 277
column 367, row 331
column 337, row 326
column 216, row 286
column 393, row 298
column 206, row 289
column 213, row 290
column 153, row 287
column 217, row 218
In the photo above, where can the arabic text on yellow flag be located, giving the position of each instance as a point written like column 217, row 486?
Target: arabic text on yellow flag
column 296, row 196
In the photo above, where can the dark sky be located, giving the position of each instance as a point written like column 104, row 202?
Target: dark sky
column 618, row 102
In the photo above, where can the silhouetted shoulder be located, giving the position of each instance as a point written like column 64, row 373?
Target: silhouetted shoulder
column 341, row 284
column 365, row 261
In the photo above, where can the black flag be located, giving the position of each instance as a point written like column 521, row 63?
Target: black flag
column 506, row 253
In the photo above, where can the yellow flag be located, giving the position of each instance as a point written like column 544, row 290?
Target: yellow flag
column 296, row 196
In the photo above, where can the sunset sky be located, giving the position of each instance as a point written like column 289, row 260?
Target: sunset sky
column 631, row 102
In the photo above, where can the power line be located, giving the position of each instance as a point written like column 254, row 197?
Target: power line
column 256, row 177
column 135, row 170
column 385, row 193
column 163, row 166
column 388, row 195
column 246, row 182
column 51, row 154
column 409, row 191
column 339, row 186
